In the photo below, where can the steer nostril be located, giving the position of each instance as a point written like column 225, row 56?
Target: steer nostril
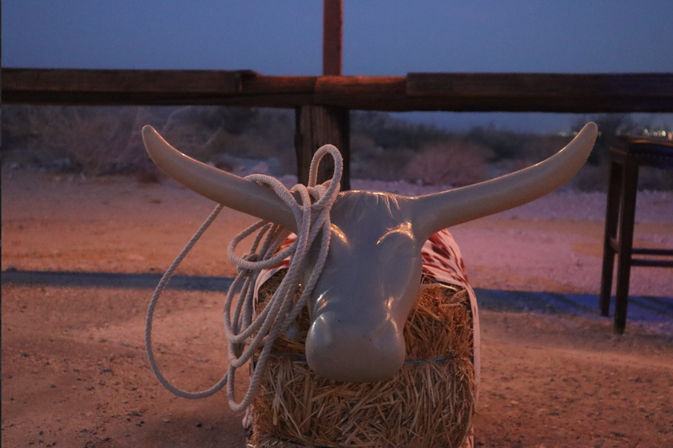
column 347, row 353
column 320, row 334
column 386, row 336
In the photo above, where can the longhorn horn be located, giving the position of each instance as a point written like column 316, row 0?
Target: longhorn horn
column 439, row 210
column 220, row 186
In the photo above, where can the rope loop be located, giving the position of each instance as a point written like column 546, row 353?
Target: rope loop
column 247, row 331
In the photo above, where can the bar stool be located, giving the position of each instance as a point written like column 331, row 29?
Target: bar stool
column 626, row 157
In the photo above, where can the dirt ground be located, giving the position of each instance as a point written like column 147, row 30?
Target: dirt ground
column 75, row 374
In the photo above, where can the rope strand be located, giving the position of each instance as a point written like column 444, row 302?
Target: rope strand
column 246, row 331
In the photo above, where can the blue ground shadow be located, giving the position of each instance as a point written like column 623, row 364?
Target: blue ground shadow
column 641, row 308
column 646, row 309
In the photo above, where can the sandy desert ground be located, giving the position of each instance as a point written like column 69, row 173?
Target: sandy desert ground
column 75, row 374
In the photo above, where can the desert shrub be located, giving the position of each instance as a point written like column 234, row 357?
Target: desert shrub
column 536, row 148
column 452, row 162
column 506, row 166
column 364, row 153
column 234, row 120
column 654, row 178
column 591, row 177
column 382, row 146
column 504, row 144
column 277, row 128
column 391, row 133
column 370, row 161
column 390, row 167
column 238, row 133
column 95, row 140
column 101, row 140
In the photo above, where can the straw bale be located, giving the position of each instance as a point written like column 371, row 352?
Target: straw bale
column 430, row 403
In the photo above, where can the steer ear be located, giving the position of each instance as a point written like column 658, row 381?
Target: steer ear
column 439, row 210
column 220, row 186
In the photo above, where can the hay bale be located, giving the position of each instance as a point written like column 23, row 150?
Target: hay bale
column 430, row 403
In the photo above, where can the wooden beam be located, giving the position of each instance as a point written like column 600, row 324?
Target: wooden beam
column 515, row 92
column 65, row 86
column 545, row 92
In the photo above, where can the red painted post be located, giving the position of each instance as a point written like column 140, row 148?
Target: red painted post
column 332, row 37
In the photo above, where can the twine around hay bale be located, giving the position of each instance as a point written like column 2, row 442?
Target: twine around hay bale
column 430, row 403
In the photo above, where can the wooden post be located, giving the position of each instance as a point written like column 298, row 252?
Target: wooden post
column 317, row 126
column 332, row 37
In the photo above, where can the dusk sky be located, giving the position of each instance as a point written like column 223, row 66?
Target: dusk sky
column 390, row 37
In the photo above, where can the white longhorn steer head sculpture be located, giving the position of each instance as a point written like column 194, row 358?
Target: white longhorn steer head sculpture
column 372, row 274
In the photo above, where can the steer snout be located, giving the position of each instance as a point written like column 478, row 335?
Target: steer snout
column 345, row 351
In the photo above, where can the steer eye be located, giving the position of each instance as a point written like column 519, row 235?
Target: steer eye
column 400, row 233
column 394, row 247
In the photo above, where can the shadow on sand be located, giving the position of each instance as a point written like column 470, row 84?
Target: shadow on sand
column 641, row 308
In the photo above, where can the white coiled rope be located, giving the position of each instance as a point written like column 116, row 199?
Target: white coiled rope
column 245, row 331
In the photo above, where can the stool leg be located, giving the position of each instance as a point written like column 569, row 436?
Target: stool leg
column 611, row 219
column 626, row 225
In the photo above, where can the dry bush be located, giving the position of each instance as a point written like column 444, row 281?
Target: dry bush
column 370, row 161
column 452, row 162
column 590, row 178
column 389, row 166
column 233, row 136
column 538, row 147
column 392, row 133
column 504, row 144
column 95, row 140
column 364, row 154
column 654, row 178
column 102, row 140
column 106, row 140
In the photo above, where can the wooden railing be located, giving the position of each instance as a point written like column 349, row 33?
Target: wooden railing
column 322, row 102
column 640, row 92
